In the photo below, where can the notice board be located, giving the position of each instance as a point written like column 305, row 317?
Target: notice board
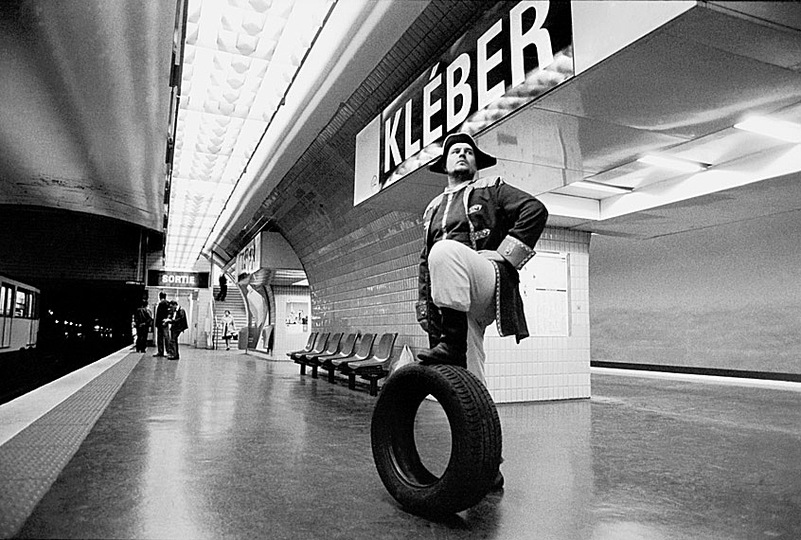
column 544, row 288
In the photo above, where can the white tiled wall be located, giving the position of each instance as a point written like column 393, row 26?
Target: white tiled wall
column 548, row 368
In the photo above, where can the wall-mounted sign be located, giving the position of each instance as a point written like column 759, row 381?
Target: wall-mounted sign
column 178, row 280
column 544, row 285
column 515, row 53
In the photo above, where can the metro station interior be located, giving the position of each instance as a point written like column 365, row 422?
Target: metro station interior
column 279, row 149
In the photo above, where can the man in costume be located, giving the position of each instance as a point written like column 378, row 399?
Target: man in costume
column 478, row 234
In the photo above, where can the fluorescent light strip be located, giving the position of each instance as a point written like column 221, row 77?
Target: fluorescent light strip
column 672, row 163
column 238, row 64
column 606, row 188
column 777, row 129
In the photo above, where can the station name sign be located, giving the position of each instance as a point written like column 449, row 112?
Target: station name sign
column 515, row 53
column 178, row 280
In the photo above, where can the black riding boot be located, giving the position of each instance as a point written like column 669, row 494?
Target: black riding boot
column 452, row 346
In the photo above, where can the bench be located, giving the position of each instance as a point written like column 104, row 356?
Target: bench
column 353, row 355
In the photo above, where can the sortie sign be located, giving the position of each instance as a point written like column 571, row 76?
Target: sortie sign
column 178, row 280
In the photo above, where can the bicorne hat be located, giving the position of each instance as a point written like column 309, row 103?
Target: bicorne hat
column 483, row 159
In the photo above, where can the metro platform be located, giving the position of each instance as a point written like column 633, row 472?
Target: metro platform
column 224, row 444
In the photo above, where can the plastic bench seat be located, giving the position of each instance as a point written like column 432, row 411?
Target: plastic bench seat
column 312, row 360
column 319, row 346
column 362, row 352
column 307, row 348
column 377, row 365
column 347, row 350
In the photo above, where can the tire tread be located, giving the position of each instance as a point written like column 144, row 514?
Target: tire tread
column 467, row 402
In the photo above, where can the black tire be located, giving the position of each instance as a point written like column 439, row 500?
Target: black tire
column 475, row 439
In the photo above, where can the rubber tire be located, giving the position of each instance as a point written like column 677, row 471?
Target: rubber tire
column 475, row 439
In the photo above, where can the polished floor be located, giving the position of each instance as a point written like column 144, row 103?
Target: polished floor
column 227, row 445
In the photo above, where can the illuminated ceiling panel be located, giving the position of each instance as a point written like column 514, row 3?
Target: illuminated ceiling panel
column 240, row 58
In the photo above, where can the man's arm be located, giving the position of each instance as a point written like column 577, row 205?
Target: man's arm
column 529, row 216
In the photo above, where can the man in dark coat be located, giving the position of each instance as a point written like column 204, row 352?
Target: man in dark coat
column 478, row 233
column 143, row 320
column 162, row 330
column 223, row 288
column 177, row 323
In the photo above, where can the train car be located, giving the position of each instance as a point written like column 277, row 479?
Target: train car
column 19, row 317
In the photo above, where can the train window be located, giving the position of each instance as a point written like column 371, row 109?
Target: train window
column 24, row 304
column 30, row 304
column 6, row 299
column 19, row 305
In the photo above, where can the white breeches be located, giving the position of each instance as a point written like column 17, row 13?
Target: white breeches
column 464, row 280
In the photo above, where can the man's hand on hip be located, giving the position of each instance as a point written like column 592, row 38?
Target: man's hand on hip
column 492, row 255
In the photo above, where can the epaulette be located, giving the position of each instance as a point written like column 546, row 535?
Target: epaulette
column 489, row 181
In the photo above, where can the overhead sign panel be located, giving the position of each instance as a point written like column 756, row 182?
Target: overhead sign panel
column 515, row 53
column 178, row 280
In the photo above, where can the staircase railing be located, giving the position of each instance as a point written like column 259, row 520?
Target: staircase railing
column 217, row 331
column 214, row 334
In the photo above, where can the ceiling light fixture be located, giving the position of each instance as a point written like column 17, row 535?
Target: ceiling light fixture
column 605, row 188
column 778, row 129
column 675, row 164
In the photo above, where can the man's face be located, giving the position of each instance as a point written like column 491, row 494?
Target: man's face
column 461, row 160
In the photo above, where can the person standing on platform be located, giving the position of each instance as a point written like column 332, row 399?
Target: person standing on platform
column 177, row 323
column 223, row 288
column 162, row 330
column 143, row 320
column 229, row 328
column 478, row 234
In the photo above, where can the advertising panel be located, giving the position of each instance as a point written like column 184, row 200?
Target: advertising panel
column 249, row 259
column 515, row 53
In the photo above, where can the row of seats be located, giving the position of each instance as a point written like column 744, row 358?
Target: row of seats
column 353, row 355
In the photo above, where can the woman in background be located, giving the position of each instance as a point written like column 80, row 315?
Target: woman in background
column 229, row 328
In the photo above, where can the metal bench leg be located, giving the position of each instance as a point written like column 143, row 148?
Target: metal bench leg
column 303, row 369
column 314, row 372
column 352, row 381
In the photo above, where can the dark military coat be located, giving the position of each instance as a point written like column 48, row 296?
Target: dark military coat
column 501, row 218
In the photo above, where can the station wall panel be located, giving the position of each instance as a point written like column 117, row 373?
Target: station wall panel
column 722, row 298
